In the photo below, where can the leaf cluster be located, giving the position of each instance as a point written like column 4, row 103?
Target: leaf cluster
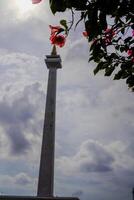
column 108, row 49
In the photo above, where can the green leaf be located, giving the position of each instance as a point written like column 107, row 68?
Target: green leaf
column 91, row 58
column 109, row 70
column 114, row 56
column 98, row 68
column 123, row 30
column 117, row 47
column 57, row 6
column 127, row 39
column 77, row 4
column 63, row 22
column 93, row 45
column 124, row 75
column 52, row 6
column 102, row 20
column 118, row 75
column 130, row 81
column 122, row 48
column 131, row 42
column 124, row 66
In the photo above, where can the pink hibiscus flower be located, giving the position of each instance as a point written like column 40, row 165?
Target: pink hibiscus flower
column 36, row 1
column 55, row 29
column 58, row 40
column 85, row 34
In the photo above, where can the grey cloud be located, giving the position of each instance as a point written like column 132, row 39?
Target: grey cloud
column 91, row 157
column 124, row 178
column 95, row 167
column 22, row 179
column 18, row 142
column 130, row 148
column 16, row 116
column 129, row 109
column 98, row 158
column 19, row 111
column 94, row 157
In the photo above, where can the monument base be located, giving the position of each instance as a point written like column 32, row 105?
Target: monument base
column 5, row 197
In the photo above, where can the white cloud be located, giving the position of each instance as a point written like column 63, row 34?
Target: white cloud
column 16, row 183
column 14, row 58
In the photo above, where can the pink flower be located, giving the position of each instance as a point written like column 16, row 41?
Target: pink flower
column 129, row 52
column 85, row 34
column 55, row 37
column 109, row 33
column 94, row 41
column 58, row 40
column 36, row 1
column 107, row 30
column 55, row 29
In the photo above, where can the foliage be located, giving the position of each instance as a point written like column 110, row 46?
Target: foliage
column 109, row 26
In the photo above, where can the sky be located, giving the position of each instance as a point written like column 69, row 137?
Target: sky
column 94, row 115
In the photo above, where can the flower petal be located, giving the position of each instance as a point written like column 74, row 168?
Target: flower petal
column 36, row 1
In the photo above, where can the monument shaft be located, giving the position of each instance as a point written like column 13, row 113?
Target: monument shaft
column 46, row 171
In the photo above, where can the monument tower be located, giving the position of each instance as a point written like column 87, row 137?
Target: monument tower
column 46, row 172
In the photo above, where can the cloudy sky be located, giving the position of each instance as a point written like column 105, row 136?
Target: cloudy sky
column 94, row 119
